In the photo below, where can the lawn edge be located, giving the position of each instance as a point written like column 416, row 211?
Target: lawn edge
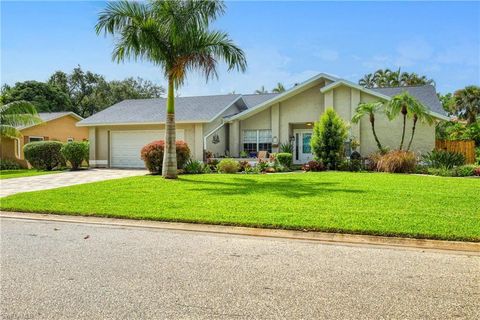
column 324, row 237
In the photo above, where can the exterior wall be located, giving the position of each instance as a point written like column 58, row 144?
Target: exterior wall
column 208, row 129
column 100, row 150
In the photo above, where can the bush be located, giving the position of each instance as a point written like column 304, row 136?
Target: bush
column 243, row 165
column 262, row 165
column 193, row 167
column 477, row 154
column 313, row 166
column 329, row 135
column 228, row 166
column 477, row 172
column 443, row 159
column 397, row 161
column 464, row 171
column 9, row 164
column 285, row 159
column 44, row 155
column 152, row 155
column 442, row 172
column 373, row 160
column 212, row 164
column 75, row 153
column 286, row 147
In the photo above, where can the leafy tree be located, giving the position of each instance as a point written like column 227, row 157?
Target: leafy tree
column 262, row 90
column 410, row 107
column 175, row 36
column 467, row 103
column 45, row 97
column 328, row 137
column 369, row 109
column 388, row 78
column 279, row 88
column 17, row 114
column 447, row 101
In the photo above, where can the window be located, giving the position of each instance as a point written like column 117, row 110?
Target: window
column 257, row 140
column 70, row 140
column 33, row 139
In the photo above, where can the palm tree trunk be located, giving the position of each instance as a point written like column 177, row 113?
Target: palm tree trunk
column 169, row 168
column 403, row 131
column 372, row 122
column 415, row 118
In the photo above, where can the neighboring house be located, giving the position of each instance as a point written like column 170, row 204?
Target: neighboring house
column 229, row 124
column 58, row 126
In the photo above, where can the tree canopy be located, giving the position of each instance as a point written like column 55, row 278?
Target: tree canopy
column 389, row 78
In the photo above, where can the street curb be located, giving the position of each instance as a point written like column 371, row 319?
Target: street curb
column 336, row 238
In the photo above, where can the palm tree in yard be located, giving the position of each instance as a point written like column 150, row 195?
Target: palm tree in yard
column 368, row 81
column 467, row 103
column 279, row 88
column 17, row 114
column 175, row 37
column 407, row 106
column 369, row 109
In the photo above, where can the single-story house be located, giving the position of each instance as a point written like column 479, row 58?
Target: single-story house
column 232, row 123
column 58, row 126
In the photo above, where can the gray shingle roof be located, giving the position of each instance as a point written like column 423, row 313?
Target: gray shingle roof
column 187, row 109
column 251, row 100
column 425, row 94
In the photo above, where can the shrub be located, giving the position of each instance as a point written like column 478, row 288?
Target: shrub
column 329, row 135
column 152, row 155
column 442, row 172
column 193, row 167
column 397, row 161
column 442, row 158
column 44, row 155
column 262, row 165
column 212, row 164
column 285, row 159
column 372, row 163
column 243, row 165
column 477, row 154
column 477, row 172
column 9, row 164
column 228, row 165
column 464, row 171
column 313, row 166
column 286, row 147
column 75, row 153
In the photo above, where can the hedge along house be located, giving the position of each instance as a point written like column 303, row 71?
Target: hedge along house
column 230, row 124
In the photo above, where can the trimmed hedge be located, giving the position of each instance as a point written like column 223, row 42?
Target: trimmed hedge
column 44, row 155
column 75, row 153
column 285, row 159
column 152, row 155
column 228, row 166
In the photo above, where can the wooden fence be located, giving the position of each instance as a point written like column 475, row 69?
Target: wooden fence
column 465, row 147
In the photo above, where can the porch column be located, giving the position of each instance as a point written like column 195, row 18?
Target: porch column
column 234, row 138
column 355, row 127
column 275, row 125
column 92, row 152
column 199, row 147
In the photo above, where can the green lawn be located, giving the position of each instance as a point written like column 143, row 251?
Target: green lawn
column 8, row 174
column 366, row 203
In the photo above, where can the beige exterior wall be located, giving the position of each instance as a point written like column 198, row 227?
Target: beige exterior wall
column 209, row 129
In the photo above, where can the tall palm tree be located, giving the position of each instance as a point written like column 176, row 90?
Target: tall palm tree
column 467, row 103
column 262, row 90
column 369, row 109
column 407, row 106
column 174, row 36
column 17, row 114
column 418, row 112
column 279, row 88
column 368, row 81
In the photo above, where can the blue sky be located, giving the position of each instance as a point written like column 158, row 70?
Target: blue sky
column 285, row 42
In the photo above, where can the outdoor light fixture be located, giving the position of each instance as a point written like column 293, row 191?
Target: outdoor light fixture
column 275, row 140
column 309, row 124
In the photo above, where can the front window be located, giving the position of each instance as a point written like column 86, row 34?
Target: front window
column 257, row 140
column 34, row 139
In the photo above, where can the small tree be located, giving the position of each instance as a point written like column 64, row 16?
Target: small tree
column 328, row 137
column 369, row 109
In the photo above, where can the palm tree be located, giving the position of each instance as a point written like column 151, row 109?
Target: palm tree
column 369, row 109
column 467, row 103
column 17, row 114
column 174, row 36
column 262, row 90
column 368, row 81
column 418, row 112
column 406, row 105
column 279, row 88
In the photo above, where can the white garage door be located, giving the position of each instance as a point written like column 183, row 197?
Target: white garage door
column 125, row 146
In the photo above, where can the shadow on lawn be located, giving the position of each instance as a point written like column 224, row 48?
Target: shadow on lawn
column 291, row 188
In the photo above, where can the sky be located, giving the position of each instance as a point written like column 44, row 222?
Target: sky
column 285, row 42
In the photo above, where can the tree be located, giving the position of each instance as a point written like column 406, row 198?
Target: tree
column 17, row 114
column 410, row 107
column 175, row 36
column 447, row 101
column 45, row 97
column 328, row 137
column 388, row 78
column 369, row 109
column 467, row 103
column 279, row 88
column 262, row 90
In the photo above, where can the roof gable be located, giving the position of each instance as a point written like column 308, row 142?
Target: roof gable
column 49, row 116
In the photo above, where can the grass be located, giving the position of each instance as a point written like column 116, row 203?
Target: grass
column 363, row 203
column 9, row 174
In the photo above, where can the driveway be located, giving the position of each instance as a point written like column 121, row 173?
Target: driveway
column 59, row 270
column 51, row 181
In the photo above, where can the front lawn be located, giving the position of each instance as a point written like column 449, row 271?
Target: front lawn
column 366, row 203
column 8, row 174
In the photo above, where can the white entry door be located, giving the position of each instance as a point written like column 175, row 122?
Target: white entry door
column 302, row 149
column 125, row 146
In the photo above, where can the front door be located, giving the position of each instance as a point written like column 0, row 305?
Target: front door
column 302, row 149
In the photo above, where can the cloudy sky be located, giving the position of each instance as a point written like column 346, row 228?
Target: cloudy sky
column 285, row 42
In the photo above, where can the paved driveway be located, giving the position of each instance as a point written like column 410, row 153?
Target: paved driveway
column 51, row 181
column 55, row 270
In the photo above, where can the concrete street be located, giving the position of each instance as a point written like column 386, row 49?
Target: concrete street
column 68, row 178
column 59, row 270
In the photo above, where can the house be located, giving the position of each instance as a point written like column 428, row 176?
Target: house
column 234, row 123
column 58, row 126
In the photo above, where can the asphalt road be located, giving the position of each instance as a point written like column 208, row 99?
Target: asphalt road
column 55, row 270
